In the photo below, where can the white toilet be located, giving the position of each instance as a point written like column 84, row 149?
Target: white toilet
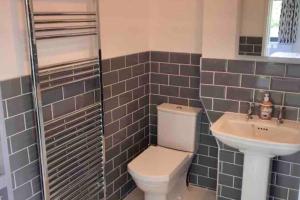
column 160, row 171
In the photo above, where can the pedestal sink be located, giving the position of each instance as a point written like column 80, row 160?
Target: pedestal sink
column 259, row 140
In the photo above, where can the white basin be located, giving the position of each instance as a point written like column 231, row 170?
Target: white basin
column 262, row 136
column 259, row 140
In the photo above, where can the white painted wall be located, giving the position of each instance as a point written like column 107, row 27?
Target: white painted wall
column 13, row 54
column 221, row 28
column 14, row 58
column 124, row 27
column 141, row 25
column 124, row 30
column 253, row 17
column 176, row 25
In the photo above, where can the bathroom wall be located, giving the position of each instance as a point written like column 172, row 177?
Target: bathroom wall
column 124, row 27
column 21, row 138
column 229, row 85
column 119, row 21
column 253, row 27
column 175, row 25
column 221, row 27
column 5, row 177
column 251, row 46
column 16, row 92
column 153, row 23
column 253, row 18
column 126, row 107
column 20, row 125
column 126, row 130
column 14, row 63
column 174, row 78
column 13, row 36
column 127, row 94
column 133, row 89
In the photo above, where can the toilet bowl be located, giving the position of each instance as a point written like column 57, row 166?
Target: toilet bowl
column 161, row 172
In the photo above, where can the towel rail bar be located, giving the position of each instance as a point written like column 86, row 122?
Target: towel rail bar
column 71, row 143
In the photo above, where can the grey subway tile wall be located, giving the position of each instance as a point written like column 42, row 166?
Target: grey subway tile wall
column 126, row 106
column 74, row 114
column 21, row 130
column 133, row 86
column 175, row 78
column 251, row 46
column 21, row 137
column 254, row 79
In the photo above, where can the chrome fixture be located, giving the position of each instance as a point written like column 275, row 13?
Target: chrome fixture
column 71, row 145
column 250, row 110
column 280, row 115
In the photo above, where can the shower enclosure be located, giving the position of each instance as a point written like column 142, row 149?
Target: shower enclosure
column 67, row 95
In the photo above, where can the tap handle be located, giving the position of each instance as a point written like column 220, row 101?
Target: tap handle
column 281, row 110
column 251, row 107
column 280, row 115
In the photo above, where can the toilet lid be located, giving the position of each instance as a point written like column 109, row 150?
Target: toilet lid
column 157, row 163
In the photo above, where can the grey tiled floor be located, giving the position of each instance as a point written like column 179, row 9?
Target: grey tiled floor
column 194, row 193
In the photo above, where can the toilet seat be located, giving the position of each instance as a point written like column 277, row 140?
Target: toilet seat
column 158, row 164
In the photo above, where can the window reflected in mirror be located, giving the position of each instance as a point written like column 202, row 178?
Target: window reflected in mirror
column 270, row 28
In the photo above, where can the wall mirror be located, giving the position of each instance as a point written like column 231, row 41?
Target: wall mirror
column 270, row 28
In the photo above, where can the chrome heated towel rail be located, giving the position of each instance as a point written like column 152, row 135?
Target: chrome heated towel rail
column 70, row 144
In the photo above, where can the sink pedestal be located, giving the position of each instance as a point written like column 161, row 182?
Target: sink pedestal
column 255, row 176
column 259, row 140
